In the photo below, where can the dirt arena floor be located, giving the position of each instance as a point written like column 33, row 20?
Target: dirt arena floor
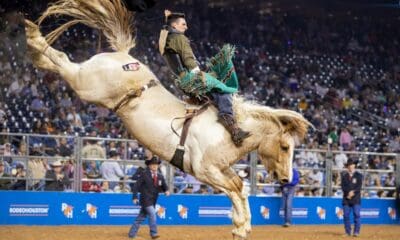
column 370, row 232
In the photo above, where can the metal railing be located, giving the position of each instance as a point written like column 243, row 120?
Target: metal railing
column 43, row 149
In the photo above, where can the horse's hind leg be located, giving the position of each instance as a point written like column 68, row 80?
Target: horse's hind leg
column 231, row 184
column 46, row 57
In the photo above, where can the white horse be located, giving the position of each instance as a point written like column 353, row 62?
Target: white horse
column 147, row 114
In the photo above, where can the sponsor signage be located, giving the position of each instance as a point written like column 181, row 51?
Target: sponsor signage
column 123, row 211
column 28, row 210
column 58, row 208
column 215, row 212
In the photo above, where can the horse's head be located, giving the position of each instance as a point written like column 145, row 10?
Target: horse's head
column 276, row 149
column 276, row 154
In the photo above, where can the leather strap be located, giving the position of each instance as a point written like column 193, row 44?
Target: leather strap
column 177, row 158
column 190, row 114
column 134, row 93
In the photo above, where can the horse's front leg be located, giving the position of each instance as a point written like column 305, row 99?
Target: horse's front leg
column 247, row 212
column 231, row 184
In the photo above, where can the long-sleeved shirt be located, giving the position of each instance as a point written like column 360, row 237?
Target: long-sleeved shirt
column 111, row 171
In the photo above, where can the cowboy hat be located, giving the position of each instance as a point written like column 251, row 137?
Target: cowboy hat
column 350, row 162
column 56, row 164
column 242, row 173
column 153, row 160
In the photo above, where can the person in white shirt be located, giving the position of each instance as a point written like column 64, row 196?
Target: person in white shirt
column 340, row 159
column 111, row 170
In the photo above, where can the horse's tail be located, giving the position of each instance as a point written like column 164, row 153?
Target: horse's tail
column 109, row 16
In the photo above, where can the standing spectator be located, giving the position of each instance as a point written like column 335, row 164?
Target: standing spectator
column 315, row 179
column 92, row 150
column 351, row 187
column 4, row 183
column 111, row 170
column 345, row 139
column 288, row 191
column 148, row 184
column 36, row 168
column 340, row 159
column 55, row 178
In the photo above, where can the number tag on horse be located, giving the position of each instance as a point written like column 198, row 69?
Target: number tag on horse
column 131, row 66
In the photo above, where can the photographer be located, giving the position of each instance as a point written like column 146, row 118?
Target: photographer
column 20, row 182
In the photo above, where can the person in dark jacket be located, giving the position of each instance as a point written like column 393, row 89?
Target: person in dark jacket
column 351, row 182
column 288, row 191
column 149, row 183
column 55, row 179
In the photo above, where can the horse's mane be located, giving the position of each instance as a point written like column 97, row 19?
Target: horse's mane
column 109, row 16
column 287, row 120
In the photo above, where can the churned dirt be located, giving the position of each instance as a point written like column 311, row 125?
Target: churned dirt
column 321, row 232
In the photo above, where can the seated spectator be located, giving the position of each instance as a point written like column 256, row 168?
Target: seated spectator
column 4, row 183
column 92, row 171
column 20, row 182
column 111, row 170
column 55, row 179
column 63, row 148
column 268, row 189
column 122, row 187
column 6, row 153
column 191, row 180
column 91, row 186
column 188, row 189
column 105, row 187
column 203, row 189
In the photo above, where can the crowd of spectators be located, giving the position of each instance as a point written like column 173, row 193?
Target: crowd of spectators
column 341, row 73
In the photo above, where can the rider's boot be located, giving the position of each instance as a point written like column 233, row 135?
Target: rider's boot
column 237, row 134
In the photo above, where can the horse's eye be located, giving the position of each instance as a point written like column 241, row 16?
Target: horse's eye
column 285, row 148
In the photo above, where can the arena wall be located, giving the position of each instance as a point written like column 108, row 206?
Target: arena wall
column 62, row 208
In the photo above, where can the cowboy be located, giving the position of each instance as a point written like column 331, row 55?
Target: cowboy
column 148, row 183
column 351, row 182
column 219, row 84
column 55, row 178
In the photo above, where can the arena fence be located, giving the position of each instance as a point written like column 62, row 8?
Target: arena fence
column 320, row 175
column 318, row 198
column 320, row 169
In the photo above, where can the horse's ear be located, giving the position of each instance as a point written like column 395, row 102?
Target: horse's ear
column 294, row 127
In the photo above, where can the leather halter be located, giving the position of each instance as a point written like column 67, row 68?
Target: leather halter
column 133, row 93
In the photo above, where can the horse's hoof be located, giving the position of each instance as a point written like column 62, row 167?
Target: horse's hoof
column 237, row 236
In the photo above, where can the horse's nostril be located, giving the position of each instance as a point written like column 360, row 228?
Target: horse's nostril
column 284, row 181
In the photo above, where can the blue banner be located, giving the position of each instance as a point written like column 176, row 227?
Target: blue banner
column 61, row 208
